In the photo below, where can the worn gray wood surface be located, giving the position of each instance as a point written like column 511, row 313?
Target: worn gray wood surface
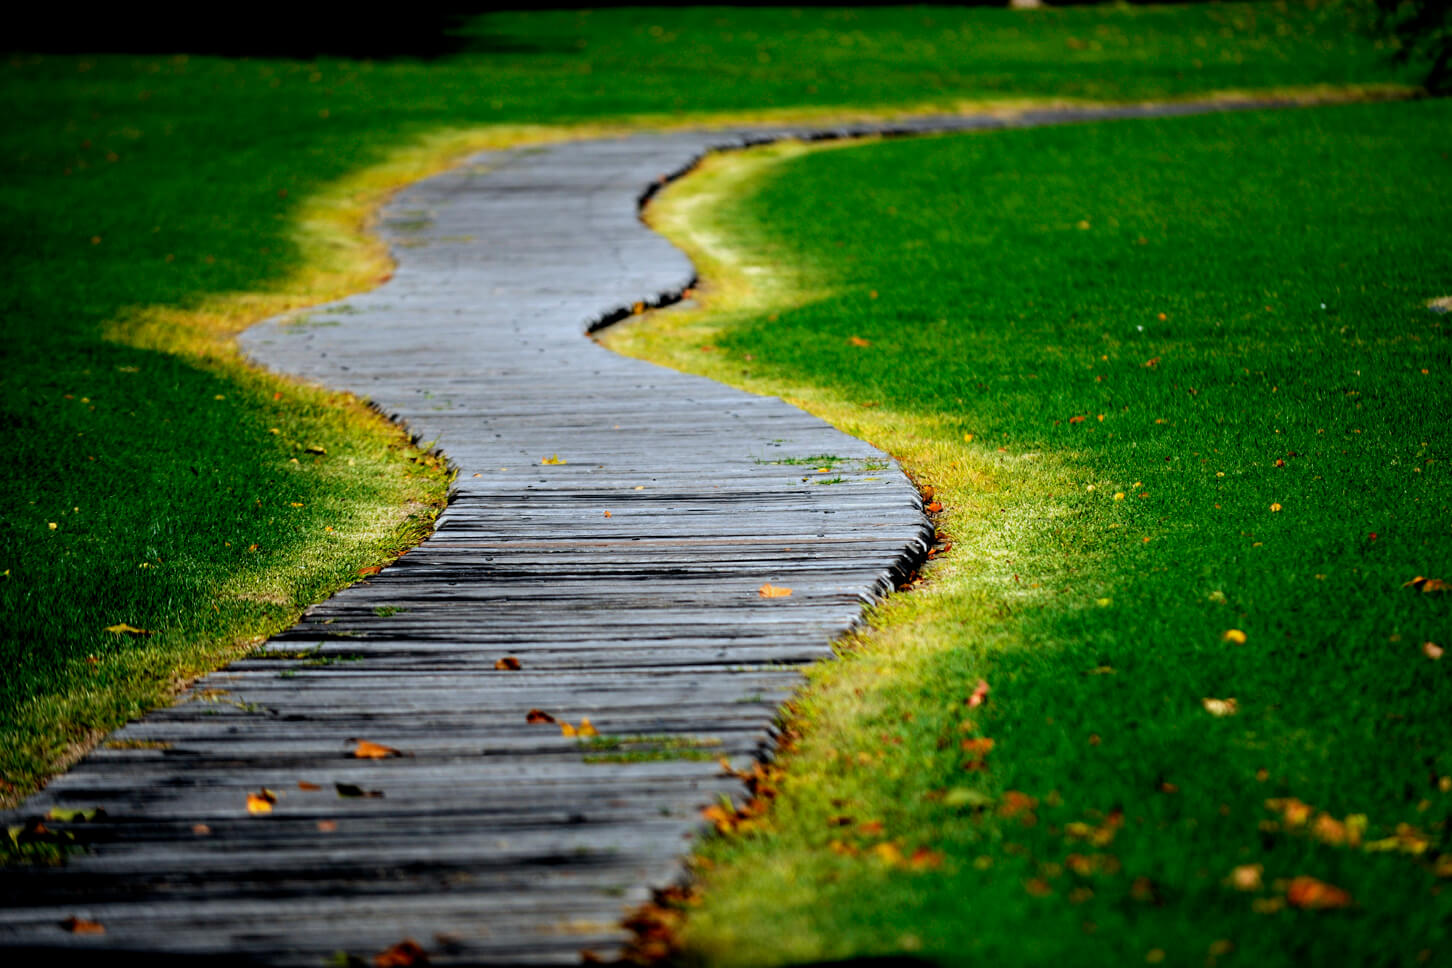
column 496, row 841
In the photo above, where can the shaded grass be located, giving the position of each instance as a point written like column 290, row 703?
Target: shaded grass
column 1169, row 379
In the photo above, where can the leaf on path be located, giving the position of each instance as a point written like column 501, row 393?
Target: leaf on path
column 536, row 716
column 508, row 663
column 351, row 791
column 305, row 786
column 773, row 591
column 124, row 629
column 261, row 802
column 553, row 459
column 1308, row 893
column 369, row 570
column 77, row 925
column 566, row 729
column 327, row 826
column 1221, row 707
column 587, row 728
column 402, row 955
column 201, row 830
column 979, row 696
column 369, row 750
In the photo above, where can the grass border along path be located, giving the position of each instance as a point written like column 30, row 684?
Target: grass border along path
column 1166, row 698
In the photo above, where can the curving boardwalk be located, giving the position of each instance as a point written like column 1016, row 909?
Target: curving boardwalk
column 624, row 579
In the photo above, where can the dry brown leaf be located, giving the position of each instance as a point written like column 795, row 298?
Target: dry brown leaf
column 369, row 750
column 309, row 787
column 402, row 955
column 773, row 591
column 1310, row 894
column 367, row 570
column 76, row 925
column 201, row 830
column 509, row 663
column 535, row 716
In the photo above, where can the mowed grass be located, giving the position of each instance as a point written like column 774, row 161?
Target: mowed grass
column 154, row 205
column 1177, row 388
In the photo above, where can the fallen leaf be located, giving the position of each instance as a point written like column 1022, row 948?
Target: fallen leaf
column 979, row 696
column 201, row 830
column 1428, row 585
column 124, row 629
column 77, row 925
column 607, row 514
column 773, row 591
column 1275, row 507
column 369, row 750
column 349, row 790
column 327, row 826
column 858, row 341
column 553, row 459
column 925, row 859
column 308, row 787
column 1293, row 811
column 870, row 828
column 933, row 508
column 1233, row 635
column 402, row 955
column 1221, row 707
column 1432, row 650
column 1310, row 894
column 509, row 664
column 566, row 729
column 535, row 716
column 369, row 570
column 888, row 853
column 587, row 728
column 1247, row 877
column 1014, row 803
column 1077, row 419
column 260, row 803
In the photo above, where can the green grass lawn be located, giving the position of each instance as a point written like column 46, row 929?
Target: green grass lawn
column 1177, row 388
column 153, row 205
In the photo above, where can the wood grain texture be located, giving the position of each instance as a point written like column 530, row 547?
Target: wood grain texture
column 493, row 841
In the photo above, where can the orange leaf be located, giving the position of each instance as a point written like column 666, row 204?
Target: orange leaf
column 259, row 803
column 369, row 570
column 979, row 696
column 773, row 591
column 369, row 750
column 1311, row 894
column 201, row 830
column 870, row 828
column 1432, row 650
column 508, row 663
column 327, row 826
column 566, row 729
column 77, row 925
column 538, row 716
column 402, row 955
column 858, row 341
column 1078, row 419
column 925, row 859
column 934, row 508
column 1014, row 803
column 1247, row 877
column 305, row 785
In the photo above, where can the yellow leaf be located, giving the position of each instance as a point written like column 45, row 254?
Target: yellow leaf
column 1247, row 877
column 1221, row 707
column 1234, row 636
column 587, row 728
column 553, row 459
column 124, row 629
column 566, row 729
column 259, row 803
column 773, row 591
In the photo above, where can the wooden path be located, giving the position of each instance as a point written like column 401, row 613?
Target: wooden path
column 624, row 579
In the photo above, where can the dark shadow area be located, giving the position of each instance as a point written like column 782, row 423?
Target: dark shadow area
column 266, row 30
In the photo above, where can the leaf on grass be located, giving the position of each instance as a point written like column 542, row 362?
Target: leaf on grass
column 1077, row 419
column 979, row 696
column 1247, row 877
column 124, row 629
column 261, row 802
column 536, row 716
column 888, row 853
column 1432, row 650
column 1428, row 585
column 870, row 828
column 369, row 750
column 1234, row 636
column 76, row 925
column 402, row 955
column 316, row 450
column 369, row 570
column 1221, row 707
column 773, row 591
column 924, row 859
column 351, row 791
column 858, row 341
column 933, row 508
column 508, row 663
column 1308, row 893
